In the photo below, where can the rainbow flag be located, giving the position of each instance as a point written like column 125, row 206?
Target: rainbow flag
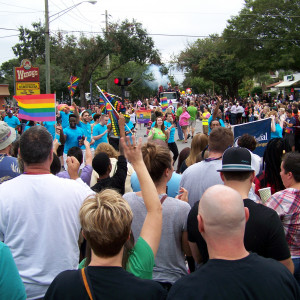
column 72, row 84
column 37, row 107
column 164, row 103
column 143, row 116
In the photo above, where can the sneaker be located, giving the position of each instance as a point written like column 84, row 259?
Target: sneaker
column 179, row 140
column 188, row 136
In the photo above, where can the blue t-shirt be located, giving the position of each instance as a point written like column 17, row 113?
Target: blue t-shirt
column 64, row 119
column 99, row 129
column 292, row 121
column 50, row 126
column 87, row 131
column 12, row 122
column 209, row 121
column 128, row 126
column 72, row 137
column 277, row 133
column 27, row 126
column 172, row 132
column 173, row 184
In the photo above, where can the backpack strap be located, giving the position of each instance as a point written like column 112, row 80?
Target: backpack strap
column 86, row 284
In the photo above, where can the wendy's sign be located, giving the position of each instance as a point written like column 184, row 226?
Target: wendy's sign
column 26, row 72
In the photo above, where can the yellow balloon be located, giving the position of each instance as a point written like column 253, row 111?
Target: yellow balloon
column 183, row 92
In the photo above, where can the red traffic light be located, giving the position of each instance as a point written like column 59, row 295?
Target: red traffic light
column 117, row 81
column 127, row 81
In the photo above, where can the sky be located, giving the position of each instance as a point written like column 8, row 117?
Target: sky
column 171, row 24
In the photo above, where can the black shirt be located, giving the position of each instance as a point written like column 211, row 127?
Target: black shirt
column 107, row 283
column 117, row 181
column 252, row 277
column 264, row 233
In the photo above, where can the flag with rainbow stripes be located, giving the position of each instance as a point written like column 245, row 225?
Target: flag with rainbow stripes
column 37, row 107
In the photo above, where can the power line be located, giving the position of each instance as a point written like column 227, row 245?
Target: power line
column 19, row 6
column 2, row 37
column 174, row 35
column 186, row 35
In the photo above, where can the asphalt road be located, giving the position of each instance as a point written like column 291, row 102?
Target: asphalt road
column 141, row 132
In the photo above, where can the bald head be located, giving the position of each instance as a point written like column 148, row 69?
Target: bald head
column 221, row 213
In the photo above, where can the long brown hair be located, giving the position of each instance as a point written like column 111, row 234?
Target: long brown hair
column 162, row 125
column 199, row 142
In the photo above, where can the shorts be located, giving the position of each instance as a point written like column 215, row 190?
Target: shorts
column 183, row 127
column 205, row 129
column 192, row 123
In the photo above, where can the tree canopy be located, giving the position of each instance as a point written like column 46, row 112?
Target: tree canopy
column 85, row 57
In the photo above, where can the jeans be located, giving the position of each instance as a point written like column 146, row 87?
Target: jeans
column 296, row 262
column 179, row 130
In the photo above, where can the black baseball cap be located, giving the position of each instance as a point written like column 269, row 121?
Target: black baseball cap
column 236, row 159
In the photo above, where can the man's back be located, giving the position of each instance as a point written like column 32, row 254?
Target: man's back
column 40, row 224
column 263, row 234
column 111, row 283
column 198, row 177
column 252, row 277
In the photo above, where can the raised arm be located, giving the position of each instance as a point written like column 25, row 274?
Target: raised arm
column 151, row 230
column 215, row 113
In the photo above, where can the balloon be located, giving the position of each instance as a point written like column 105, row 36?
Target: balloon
column 61, row 106
column 183, row 92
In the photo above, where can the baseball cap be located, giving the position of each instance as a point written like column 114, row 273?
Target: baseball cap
column 7, row 135
column 236, row 159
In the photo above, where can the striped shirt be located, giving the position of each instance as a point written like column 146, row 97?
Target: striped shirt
column 287, row 205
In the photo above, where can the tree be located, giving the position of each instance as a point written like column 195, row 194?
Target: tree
column 208, row 58
column 127, row 42
column 266, row 35
column 82, row 56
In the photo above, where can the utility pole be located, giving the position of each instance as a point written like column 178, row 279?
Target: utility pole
column 47, row 49
column 107, row 57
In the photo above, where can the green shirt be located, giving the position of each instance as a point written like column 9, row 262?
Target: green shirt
column 140, row 262
column 158, row 134
column 179, row 111
column 11, row 285
column 192, row 110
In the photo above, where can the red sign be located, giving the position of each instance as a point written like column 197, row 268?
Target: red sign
column 21, row 74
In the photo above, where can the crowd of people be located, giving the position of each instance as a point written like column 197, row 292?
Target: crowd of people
column 88, row 212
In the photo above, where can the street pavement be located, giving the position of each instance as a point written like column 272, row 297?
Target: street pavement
column 141, row 132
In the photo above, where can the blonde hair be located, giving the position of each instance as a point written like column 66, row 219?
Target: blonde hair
column 108, row 149
column 199, row 142
column 106, row 222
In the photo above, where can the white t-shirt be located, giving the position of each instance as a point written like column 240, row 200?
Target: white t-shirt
column 39, row 222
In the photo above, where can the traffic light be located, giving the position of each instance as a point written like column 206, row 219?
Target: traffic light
column 118, row 81
column 127, row 81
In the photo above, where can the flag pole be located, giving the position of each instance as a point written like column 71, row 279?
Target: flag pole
column 111, row 106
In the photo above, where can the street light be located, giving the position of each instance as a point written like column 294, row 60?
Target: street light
column 47, row 39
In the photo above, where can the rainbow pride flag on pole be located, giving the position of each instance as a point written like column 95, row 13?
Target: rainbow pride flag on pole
column 37, row 107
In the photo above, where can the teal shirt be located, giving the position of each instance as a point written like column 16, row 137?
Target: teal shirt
column 11, row 285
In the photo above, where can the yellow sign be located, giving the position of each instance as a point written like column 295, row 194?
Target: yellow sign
column 27, row 88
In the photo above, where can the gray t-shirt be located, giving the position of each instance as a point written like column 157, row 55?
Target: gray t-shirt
column 169, row 261
column 199, row 177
